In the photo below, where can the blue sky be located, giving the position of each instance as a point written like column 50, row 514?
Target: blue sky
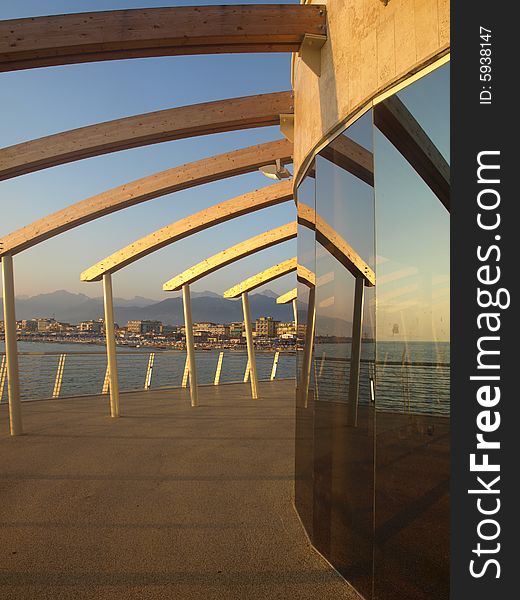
column 39, row 102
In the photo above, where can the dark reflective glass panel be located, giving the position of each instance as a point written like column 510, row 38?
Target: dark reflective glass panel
column 344, row 453
column 304, row 457
column 412, row 396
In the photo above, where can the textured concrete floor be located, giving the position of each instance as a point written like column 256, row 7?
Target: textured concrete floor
column 165, row 502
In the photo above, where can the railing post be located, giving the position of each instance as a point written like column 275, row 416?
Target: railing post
column 355, row 353
column 190, row 344
column 149, row 370
column 186, row 373
column 308, row 346
column 275, row 364
column 106, row 382
column 59, row 376
column 11, row 347
column 110, row 336
column 322, row 364
column 247, row 372
column 3, row 373
column 219, row 369
column 250, row 345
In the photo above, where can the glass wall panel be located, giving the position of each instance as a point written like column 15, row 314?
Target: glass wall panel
column 304, row 458
column 412, row 396
column 344, row 455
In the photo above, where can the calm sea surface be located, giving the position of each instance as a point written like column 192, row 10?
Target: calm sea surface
column 408, row 377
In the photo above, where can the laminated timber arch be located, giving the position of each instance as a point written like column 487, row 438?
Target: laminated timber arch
column 247, row 112
column 288, row 297
column 159, row 184
column 330, row 239
column 226, row 257
column 182, row 30
column 255, row 281
column 214, row 215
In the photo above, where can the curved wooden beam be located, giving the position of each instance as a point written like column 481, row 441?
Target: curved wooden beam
column 349, row 155
column 141, row 130
column 306, row 276
column 330, row 239
column 232, row 254
column 288, row 297
column 270, row 274
column 120, row 34
column 401, row 128
column 214, row 215
column 185, row 176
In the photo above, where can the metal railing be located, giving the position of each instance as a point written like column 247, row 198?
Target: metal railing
column 46, row 375
column 400, row 386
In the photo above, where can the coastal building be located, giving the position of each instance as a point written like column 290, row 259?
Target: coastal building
column 29, row 325
column 236, row 329
column 285, row 330
column 143, row 327
column 91, row 326
column 44, row 324
column 266, row 327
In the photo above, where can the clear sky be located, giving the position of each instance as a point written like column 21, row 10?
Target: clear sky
column 39, row 102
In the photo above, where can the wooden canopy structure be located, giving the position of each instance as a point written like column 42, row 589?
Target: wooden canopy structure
column 230, row 255
column 255, row 281
column 232, row 114
column 214, row 215
column 139, row 33
column 159, row 184
column 287, row 297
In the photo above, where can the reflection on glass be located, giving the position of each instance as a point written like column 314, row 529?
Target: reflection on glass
column 372, row 462
column 344, row 457
column 412, row 399
column 304, row 456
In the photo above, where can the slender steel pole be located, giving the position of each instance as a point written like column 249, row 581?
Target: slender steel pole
column 190, row 344
column 110, row 336
column 250, row 346
column 295, row 311
column 11, row 347
column 355, row 353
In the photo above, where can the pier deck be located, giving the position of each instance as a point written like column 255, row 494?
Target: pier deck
column 168, row 501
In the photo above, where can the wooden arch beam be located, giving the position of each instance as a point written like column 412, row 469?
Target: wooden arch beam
column 179, row 178
column 270, row 274
column 306, row 276
column 226, row 257
column 181, row 30
column 288, row 297
column 140, row 130
column 401, row 128
column 214, row 215
column 330, row 239
column 350, row 156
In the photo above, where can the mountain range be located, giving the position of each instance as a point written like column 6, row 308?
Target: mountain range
column 72, row 308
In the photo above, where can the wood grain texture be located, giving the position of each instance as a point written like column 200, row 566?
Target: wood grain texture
column 226, row 257
column 255, row 281
column 179, row 178
column 247, row 112
column 330, row 239
column 181, row 30
column 214, row 215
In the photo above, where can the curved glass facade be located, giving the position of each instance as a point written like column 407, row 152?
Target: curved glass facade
column 372, row 435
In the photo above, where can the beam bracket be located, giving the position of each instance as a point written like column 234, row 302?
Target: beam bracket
column 287, row 126
column 310, row 51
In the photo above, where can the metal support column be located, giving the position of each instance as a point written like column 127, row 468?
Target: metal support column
column 190, row 344
column 355, row 353
column 295, row 311
column 110, row 336
column 11, row 347
column 250, row 347
column 308, row 347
